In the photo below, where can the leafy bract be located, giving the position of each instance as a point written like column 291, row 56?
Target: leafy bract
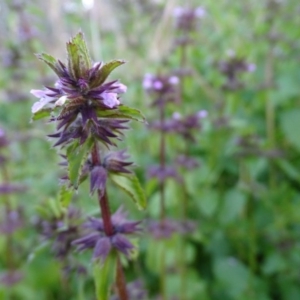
column 51, row 62
column 104, row 274
column 65, row 196
column 123, row 112
column 131, row 185
column 43, row 113
column 77, row 156
column 79, row 60
column 104, row 72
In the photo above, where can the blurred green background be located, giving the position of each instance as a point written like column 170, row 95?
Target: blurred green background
column 245, row 194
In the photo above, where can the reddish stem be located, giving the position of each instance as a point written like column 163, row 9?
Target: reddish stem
column 108, row 227
column 102, row 197
column 106, row 215
column 120, row 280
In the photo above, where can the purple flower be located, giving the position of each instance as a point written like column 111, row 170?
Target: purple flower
column 102, row 244
column 186, row 18
column 114, row 162
column 9, row 188
column 81, row 97
column 163, row 173
column 61, row 231
column 11, row 277
column 181, row 125
column 12, row 221
column 232, row 68
column 166, row 228
column 186, row 162
column 165, row 88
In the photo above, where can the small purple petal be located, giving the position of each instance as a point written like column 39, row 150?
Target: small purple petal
column 121, row 243
column 157, row 85
column 110, row 99
column 98, row 179
column 120, row 88
column 102, row 248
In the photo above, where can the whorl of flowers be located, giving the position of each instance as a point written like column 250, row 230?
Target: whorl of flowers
column 163, row 87
column 231, row 69
column 186, row 18
column 102, row 244
column 81, row 101
column 87, row 111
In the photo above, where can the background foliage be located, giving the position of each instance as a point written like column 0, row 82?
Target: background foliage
column 244, row 196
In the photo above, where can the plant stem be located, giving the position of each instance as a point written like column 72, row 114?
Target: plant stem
column 105, row 212
column 120, row 280
column 162, row 161
column 102, row 197
column 108, row 227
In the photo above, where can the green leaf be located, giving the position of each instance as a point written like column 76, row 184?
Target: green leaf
column 65, row 196
column 232, row 206
column 290, row 169
column 79, row 61
column 51, row 62
column 104, row 72
column 43, row 113
column 290, row 124
column 131, row 185
column 77, row 156
column 233, row 275
column 83, row 52
column 123, row 112
column 73, row 60
column 208, row 202
column 104, row 274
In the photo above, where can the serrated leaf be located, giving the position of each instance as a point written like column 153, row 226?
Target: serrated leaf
column 131, row 185
column 85, row 58
column 51, row 62
column 73, row 60
column 43, row 113
column 104, row 72
column 65, row 196
column 79, row 60
column 123, row 112
column 77, row 156
column 104, row 274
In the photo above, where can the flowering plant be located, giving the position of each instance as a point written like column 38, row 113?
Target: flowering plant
column 89, row 115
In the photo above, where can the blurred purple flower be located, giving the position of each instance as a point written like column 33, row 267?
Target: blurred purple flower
column 135, row 290
column 187, row 162
column 162, row 173
column 186, row 18
column 163, row 87
column 102, row 244
column 166, row 228
column 231, row 68
column 12, row 221
column 61, row 231
column 181, row 125
column 10, row 278
column 10, row 188
column 3, row 138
